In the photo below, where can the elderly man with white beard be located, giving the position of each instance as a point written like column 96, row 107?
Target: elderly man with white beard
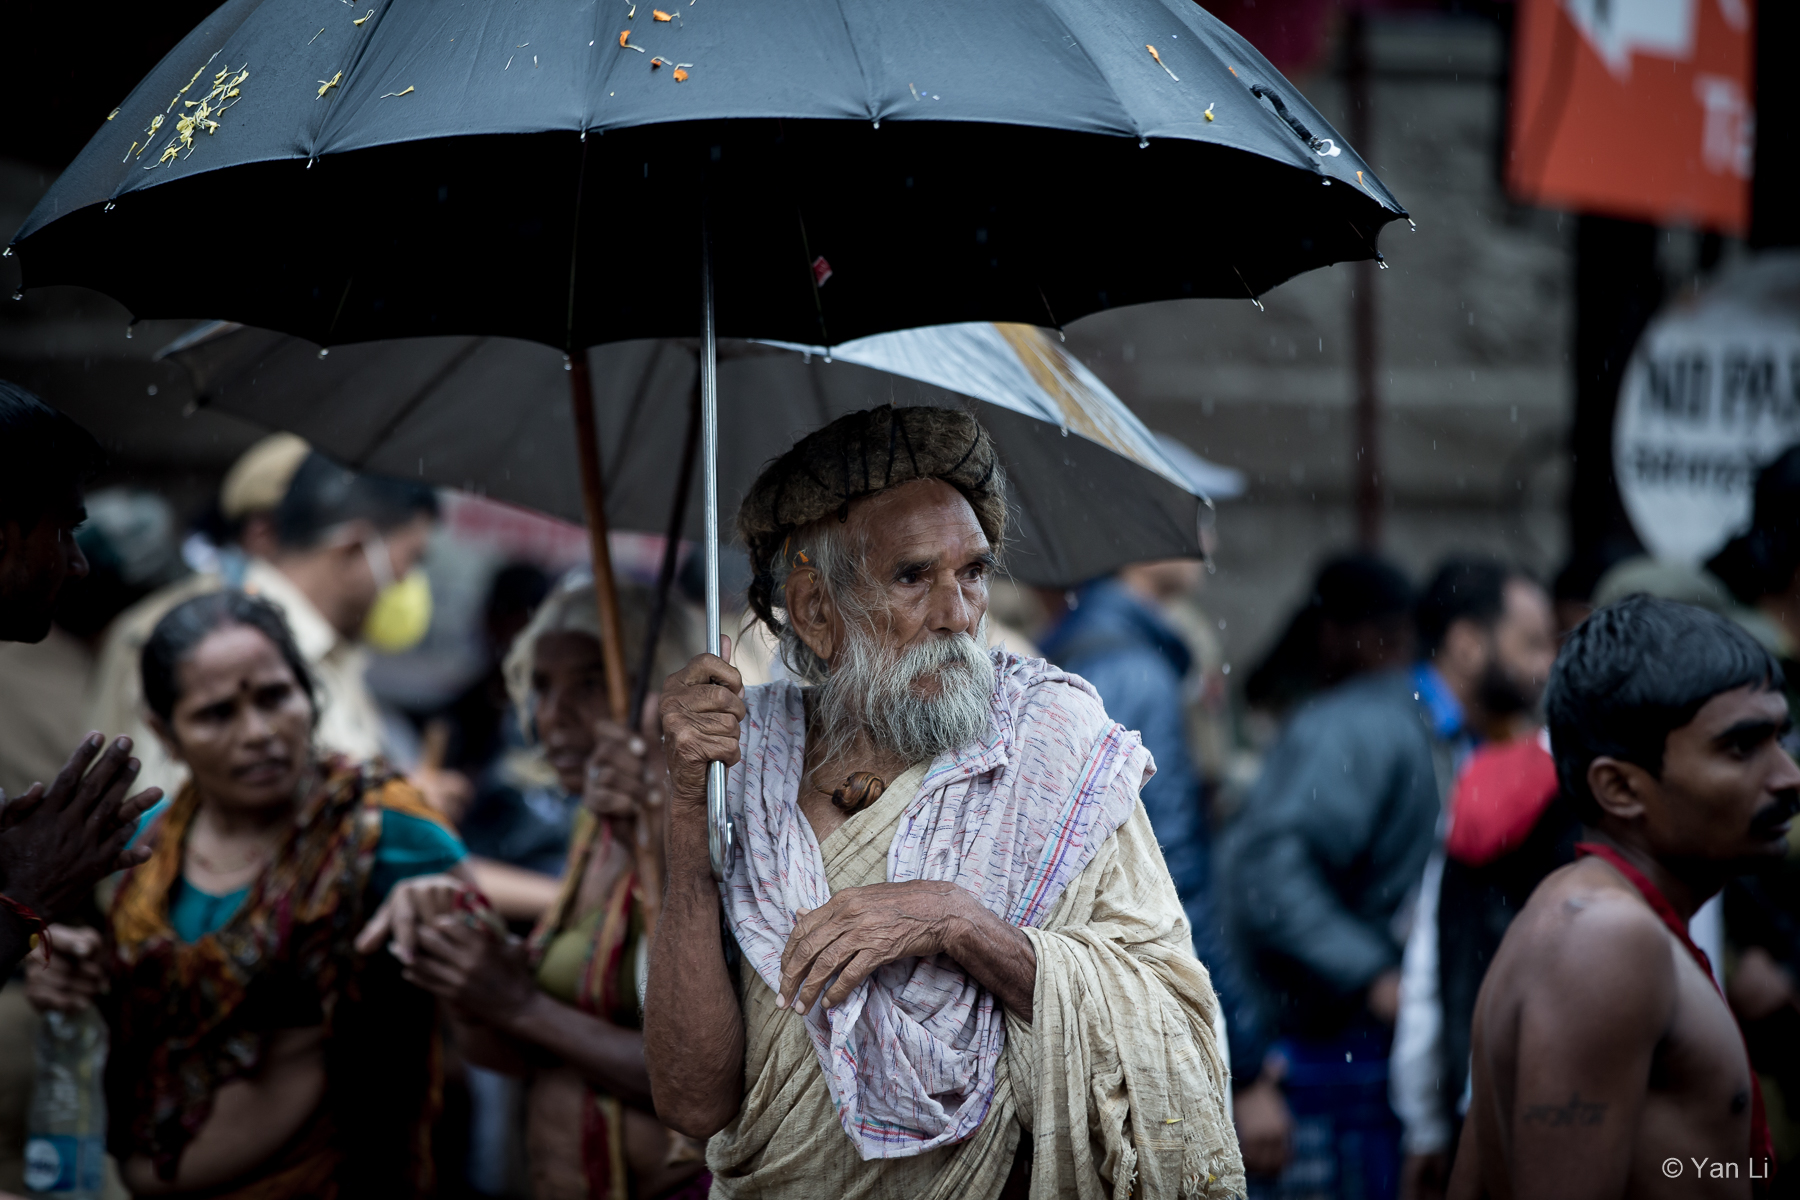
column 964, row 969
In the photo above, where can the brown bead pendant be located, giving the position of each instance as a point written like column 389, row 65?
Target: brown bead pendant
column 860, row 790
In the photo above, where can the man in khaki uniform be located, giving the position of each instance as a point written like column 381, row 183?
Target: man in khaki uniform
column 318, row 540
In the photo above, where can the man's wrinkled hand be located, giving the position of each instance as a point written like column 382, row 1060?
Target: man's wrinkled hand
column 73, row 976
column 702, row 706
column 480, row 971
column 863, row 928
column 57, row 842
column 411, row 904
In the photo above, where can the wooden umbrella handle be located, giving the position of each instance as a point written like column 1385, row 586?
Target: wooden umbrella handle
column 593, row 504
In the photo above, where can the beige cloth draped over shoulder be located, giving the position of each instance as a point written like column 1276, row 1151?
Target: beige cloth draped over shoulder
column 1117, row 1080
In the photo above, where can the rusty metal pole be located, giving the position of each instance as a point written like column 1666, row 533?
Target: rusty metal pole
column 1362, row 311
column 593, row 505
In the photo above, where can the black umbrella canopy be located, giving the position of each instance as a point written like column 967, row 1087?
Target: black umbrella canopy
column 509, row 167
column 492, row 415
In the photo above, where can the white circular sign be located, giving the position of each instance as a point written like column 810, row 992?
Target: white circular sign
column 43, row 1165
column 1712, row 394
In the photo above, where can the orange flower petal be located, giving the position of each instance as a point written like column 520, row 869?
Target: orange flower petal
column 680, row 75
column 660, row 15
column 623, row 34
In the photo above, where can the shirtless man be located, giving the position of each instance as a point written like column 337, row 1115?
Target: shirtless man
column 1605, row 1061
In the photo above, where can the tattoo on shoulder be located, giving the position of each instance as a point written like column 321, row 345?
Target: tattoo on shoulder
column 1562, row 1116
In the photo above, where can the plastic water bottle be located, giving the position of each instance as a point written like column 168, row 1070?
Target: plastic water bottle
column 65, row 1130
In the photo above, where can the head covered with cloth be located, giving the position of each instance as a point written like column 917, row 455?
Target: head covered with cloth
column 944, row 867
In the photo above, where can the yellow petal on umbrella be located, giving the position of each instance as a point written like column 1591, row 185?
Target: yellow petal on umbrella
column 364, row 17
column 1162, row 64
column 407, row 92
column 112, row 114
column 325, row 85
column 1208, row 113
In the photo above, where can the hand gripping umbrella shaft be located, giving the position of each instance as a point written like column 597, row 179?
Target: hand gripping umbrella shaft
column 718, row 825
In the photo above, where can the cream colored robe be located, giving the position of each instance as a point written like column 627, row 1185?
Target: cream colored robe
column 1118, row 1079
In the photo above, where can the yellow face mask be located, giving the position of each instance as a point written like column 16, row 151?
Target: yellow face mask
column 401, row 615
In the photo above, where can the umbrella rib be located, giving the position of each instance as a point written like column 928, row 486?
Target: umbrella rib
column 637, row 407
column 1118, row 100
column 850, row 38
column 419, row 396
column 356, row 57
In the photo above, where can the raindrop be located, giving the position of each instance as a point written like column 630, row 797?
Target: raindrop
column 828, row 356
column 323, row 351
column 1210, row 569
column 1259, row 304
column 108, row 208
column 190, row 408
column 567, row 365
column 1411, row 225
column 584, row 135
column 7, row 253
column 21, row 295
column 878, row 122
column 1382, row 263
column 1143, row 143
column 806, row 357
column 1065, row 431
column 128, row 330
column 151, row 389
column 1326, row 182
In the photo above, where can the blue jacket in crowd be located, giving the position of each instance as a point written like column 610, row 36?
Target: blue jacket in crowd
column 1330, row 844
column 1136, row 661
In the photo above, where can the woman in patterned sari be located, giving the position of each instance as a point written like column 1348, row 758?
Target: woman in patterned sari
column 255, row 1053
column 565, row 1007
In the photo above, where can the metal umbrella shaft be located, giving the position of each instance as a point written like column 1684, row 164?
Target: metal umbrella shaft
column 718, row 825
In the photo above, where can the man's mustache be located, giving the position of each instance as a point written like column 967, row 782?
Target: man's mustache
column 1787, row 804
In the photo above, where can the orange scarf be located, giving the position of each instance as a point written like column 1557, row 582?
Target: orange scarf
column 189, row 1017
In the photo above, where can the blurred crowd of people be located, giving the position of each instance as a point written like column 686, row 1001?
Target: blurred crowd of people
column 1350, row 832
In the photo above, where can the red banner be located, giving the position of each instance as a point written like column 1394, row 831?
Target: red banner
column 1635, row 108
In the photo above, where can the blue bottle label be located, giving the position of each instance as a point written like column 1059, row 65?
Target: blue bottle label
column 60, row 1163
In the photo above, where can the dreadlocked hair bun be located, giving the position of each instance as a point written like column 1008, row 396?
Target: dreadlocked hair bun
column 859, row 455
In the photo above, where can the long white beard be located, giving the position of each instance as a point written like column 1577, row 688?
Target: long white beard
column 928, row 699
